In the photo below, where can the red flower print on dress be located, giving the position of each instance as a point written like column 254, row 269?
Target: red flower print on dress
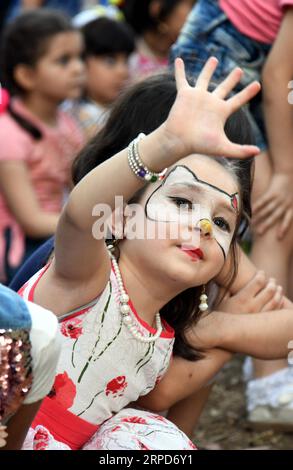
column 72, row 328
column 116, row 386
column 159, row 418
column 134, row 419
column 41, row 439
column 116, row 428
column 63, row 390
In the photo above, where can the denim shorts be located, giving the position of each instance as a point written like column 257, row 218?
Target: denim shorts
column 14, row 313
column 208, row 32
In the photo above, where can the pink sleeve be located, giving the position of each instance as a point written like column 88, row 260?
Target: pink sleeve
column 74, row 130
column 14, row 142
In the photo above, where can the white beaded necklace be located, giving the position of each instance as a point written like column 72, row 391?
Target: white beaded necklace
column 125, row 310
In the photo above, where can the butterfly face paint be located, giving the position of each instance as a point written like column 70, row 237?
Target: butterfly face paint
column 185, row 199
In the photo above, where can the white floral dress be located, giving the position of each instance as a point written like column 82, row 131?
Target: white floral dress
column 101, row 370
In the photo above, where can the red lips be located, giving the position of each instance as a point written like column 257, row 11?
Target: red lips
column 194, row 253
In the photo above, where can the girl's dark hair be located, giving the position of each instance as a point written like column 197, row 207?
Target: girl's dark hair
column 143, row 108
column 25, row 40
column 138, row 14
column 105, row 36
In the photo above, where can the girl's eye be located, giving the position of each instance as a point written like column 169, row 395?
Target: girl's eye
column 64, row 60
column 181, row 201
column 109, row 60
column 222, row 224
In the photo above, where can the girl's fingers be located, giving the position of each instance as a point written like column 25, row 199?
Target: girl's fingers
column 230, row 150
column 206, row 74
column 3, row 435
column 276, row 302
column 180, row 76
column 262, row 202
column 241, row 98
column 286, row 222
column 254, row 286
column 229, row 83
column 270, row 221
column 2, row 442
column 266, row 211
column 266, row 295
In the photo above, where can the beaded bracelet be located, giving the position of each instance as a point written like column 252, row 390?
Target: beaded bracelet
column 138, row 167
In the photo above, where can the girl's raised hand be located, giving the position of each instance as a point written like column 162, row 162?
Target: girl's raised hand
column 197, row 119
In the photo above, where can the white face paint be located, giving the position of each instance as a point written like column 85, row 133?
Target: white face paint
column 185, row 199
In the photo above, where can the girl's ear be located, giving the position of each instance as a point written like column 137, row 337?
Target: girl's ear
column 24, row 75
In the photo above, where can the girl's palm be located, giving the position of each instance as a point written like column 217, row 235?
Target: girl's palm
column 198, row 117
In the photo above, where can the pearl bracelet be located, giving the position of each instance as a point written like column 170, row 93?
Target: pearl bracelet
column 138, row 167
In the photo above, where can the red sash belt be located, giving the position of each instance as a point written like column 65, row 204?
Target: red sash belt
column 64, row 426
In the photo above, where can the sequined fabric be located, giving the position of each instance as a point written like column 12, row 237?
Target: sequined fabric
column 15, row 370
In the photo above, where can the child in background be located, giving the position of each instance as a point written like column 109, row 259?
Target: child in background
column 29, row 350
column 157, row 24
column 256, row 35
column 111, row 354
column 41, row 64
column 108, row 43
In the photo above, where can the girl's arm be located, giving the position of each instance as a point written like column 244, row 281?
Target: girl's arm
column 18, row 426
column 21, row 199
column 264, row 335
column 184, row 377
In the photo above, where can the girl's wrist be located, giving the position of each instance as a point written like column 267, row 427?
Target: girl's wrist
column 221, row 329
column 158, row 150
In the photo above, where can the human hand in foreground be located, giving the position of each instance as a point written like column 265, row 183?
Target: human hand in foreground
column 196, row 121
column 275, row 206
column 258, row 295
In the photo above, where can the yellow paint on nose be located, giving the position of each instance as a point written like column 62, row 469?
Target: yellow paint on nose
column 206, row 227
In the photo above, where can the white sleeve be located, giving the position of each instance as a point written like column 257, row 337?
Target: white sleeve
column 46, row 342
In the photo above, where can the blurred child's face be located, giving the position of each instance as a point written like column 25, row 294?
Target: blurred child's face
column 60, row 73
column 176, row 19
column 205, row 195
column 106, row 77
column 171, row 26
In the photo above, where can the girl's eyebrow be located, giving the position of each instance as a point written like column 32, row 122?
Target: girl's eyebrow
column 197, row 180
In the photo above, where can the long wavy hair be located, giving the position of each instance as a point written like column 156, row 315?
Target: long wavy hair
column 143, row 108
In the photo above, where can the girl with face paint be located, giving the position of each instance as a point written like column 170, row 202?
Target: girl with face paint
column 121, row 312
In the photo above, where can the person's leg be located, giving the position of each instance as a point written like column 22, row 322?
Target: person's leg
column 290, row 284
column 269, row 388
column 186, row 413
column 270, row 254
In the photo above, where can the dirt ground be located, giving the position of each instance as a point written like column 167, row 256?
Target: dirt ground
column 222, row 425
